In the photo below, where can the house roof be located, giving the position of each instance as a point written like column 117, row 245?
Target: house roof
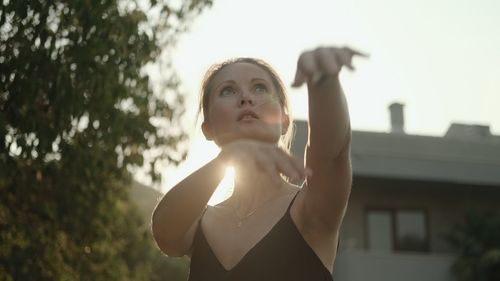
column 467, row 159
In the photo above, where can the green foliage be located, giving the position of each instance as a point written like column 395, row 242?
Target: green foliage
column 477, row 240
column 77, row 113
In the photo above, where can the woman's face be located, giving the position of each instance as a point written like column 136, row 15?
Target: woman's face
column 243, row 103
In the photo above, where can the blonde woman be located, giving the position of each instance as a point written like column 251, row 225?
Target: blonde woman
column 269, row 229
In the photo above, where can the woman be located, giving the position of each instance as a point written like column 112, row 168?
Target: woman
column 268, row 229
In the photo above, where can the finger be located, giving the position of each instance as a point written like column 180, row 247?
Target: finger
column 306, row 67
column 344, row 57
column 300, row 78
column 297, row 164
column 351, row 53
column 267, row 166
column 281, row 165
column 291, row 164
column 328, row 61
column 357, row 52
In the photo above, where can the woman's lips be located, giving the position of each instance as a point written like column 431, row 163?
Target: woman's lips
column 247, row 115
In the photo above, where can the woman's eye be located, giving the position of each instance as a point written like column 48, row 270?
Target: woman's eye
column 227, row 91
column 260, row 88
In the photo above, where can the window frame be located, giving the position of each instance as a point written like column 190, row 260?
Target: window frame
column 393, row 211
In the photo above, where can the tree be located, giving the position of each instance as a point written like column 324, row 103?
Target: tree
column 77, row 113
column 478, row 244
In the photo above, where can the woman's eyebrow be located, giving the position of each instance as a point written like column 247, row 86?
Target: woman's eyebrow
column 233, row 82
column 259, row 79
column 225, row 82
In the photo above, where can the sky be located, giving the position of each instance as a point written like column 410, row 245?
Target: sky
column 440, row 58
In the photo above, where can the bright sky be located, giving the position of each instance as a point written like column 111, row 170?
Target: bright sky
column 441, row 58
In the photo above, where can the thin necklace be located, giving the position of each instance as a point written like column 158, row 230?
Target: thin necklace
column 241, row 219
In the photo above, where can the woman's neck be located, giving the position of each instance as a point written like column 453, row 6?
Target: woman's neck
column 252, row 192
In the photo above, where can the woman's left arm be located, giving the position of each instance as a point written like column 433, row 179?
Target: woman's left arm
column 328, row 149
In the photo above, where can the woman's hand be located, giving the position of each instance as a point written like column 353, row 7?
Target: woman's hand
column 255, row 158
column 317, row 64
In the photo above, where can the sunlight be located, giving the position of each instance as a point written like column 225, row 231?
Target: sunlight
column 224, row 189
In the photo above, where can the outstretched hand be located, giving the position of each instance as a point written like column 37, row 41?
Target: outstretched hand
column 322, row 62
column 258, row 158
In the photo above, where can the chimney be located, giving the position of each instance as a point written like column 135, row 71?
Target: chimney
column 397, row 118
column 466, row 131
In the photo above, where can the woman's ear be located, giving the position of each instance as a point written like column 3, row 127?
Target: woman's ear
column 207, row 131
column 285, row 122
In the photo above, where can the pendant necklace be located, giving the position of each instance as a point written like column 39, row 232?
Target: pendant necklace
column 242, row 219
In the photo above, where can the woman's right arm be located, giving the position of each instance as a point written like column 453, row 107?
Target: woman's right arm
column 175, row 217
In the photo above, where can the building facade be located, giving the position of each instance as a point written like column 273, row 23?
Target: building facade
column 408, row 192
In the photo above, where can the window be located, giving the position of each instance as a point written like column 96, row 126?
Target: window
column 380, row 231
column 397, row 230
column 411, row 231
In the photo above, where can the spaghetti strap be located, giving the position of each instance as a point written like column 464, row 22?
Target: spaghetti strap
column 201, row 216
column 291, row 202
column 296, row 260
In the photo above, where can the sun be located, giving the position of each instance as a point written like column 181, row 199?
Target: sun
column 201, row 152
column 224, row 189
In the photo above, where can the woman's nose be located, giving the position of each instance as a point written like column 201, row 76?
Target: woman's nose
column 246, row 98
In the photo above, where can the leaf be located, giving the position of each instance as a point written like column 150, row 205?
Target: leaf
column 65, row 213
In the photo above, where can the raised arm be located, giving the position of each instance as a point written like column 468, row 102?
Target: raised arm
column 174, row 219
column 328, row 147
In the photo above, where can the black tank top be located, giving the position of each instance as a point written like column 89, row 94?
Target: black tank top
column 282, row 254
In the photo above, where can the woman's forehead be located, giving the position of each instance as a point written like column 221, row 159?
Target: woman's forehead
column 241, row 71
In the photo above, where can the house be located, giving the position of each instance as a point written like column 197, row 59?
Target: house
column 408, row 192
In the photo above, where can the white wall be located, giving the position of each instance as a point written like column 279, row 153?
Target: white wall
column 361, row 266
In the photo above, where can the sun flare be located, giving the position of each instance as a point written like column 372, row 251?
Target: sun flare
column 224, row 189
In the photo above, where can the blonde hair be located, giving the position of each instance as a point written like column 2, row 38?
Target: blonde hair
column 206, row 87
